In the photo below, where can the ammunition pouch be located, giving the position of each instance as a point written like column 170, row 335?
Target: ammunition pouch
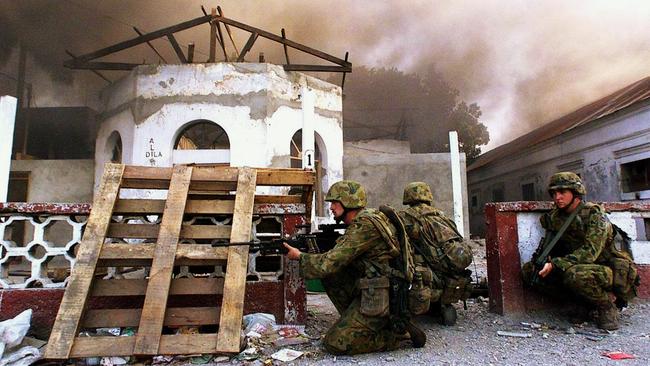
column 626, row 278
column 375, row 298
column 421, row 294
column 456, row 287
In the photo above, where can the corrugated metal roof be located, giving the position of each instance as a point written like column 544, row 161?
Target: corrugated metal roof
column 614, row 102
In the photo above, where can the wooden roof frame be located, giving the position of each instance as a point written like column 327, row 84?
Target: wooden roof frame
column 85, row 62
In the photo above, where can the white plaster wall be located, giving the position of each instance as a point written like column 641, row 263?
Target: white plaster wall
column 123, row 124
column 530, row 232
column 257, row 105
column 7, row 121
column 61, row 181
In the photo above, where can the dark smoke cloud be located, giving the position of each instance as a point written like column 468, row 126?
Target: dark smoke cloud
column 523, row 62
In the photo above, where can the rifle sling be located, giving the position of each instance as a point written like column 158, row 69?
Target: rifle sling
column 557, row 236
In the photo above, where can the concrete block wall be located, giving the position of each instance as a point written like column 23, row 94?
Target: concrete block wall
column 514, row 231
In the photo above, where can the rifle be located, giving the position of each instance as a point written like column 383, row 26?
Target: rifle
column 315, row 242
column 549, row 244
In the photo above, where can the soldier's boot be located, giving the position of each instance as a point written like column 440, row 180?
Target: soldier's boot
column 417, row 335
column 448, row 315
column 607, row 316
column 580, row 314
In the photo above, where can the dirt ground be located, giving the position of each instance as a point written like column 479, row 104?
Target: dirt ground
column 550, row 339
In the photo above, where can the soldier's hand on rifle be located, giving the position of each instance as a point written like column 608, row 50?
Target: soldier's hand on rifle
column 548, row 267
column 292, row 253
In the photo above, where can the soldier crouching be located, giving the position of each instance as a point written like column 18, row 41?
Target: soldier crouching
column 357, row 274
column 584, row 263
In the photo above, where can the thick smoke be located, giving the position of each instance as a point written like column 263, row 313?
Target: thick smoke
column 523, row 62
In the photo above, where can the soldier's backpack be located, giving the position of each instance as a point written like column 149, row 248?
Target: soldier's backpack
column 443, row 248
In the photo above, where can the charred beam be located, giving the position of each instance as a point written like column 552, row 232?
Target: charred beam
column 319, row 68
column 344, row 73
column 177, row 48
column 150, row 45
column 190, row 53
column 94, row 71
column 145, row 38
column 234, row 45
column 292, row 44
column 213, row 38
column 286, row 52
column 247, row 47
column 74, row 64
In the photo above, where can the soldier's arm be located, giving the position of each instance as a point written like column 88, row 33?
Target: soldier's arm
column 358, row 238
column 595, row 238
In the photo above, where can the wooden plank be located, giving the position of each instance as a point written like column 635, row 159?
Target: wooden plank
column 149, row 231
column 174, row 317
column 178, row 344
column 153, row 310
column 265, row 176
column 232, row 306
column 123, row 255
column 232, row 40
column 76, row 293
column 216, row 204
column 247, row 46
column 179, row 286
column 177, row 48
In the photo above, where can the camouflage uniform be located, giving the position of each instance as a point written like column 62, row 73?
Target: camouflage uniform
column 363, row 251
column 585, row 255
column 439, row 242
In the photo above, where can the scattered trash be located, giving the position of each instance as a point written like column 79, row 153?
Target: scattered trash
column 290, row 335
column 618, row 355
column 108, row 331
column 286, row 355
column 111, row 361
column 531, row 325
column 248, row 354
column 258, row 322
column 162, row 359
column 514, row 334
column 220, row 359
column 545, row 335
column 12, row 333
column 570, row 330
column 253, row 334
column 389, row 359
column 200, row 360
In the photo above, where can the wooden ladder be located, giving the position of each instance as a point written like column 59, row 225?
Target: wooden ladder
column 96, row 250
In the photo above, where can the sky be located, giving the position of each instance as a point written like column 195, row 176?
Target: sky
column 524, row 62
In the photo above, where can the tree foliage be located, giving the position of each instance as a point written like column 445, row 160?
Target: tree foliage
column 421, row 108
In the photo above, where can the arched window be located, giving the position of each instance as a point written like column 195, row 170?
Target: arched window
column 114, row 147
column 198, row 136
column 202, row 135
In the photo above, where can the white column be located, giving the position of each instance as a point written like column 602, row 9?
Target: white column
column 456, row 185
column 308, row 150
column 7, row 121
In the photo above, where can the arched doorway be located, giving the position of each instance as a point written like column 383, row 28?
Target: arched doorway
column 295, row 152
column 114, row 147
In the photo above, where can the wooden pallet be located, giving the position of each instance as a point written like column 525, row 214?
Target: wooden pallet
column 213, row 187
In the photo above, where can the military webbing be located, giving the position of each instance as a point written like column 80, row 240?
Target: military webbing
column 547, row 249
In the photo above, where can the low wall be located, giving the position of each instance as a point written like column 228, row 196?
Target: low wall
column 279, row 291
column 514, row 231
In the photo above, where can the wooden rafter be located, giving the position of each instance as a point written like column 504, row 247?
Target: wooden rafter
column 86, row 61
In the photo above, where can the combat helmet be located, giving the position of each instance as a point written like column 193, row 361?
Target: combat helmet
column 350, row 193
column 566, row 180
column 415, row 192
